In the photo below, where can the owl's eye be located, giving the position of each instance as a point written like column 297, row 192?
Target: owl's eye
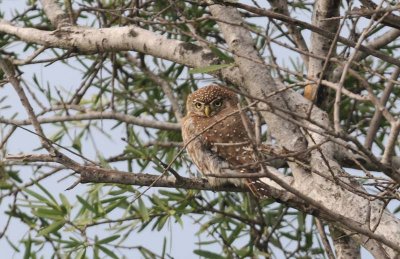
column 218, row 103
column 198, row 105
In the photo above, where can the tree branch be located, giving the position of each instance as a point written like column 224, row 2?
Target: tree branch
column 376, row 119
column 315, row 29
column 322, row 46
column 99, row 116
column 281, row 6
column 311, row 188
column 56, row 15
column 9, row 72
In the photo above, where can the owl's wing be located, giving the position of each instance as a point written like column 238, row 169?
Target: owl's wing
column 211, row 165
column 208, row 162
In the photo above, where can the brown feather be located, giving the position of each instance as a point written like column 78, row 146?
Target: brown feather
column 219, row 143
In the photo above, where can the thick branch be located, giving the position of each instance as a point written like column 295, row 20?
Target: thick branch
column 100, row 175
column 87, row 40
column 281, row 6
column 345, row 246
column 376, row 119
column 55, row 14
column 100, row 116
column 388, row 18
column 322, row 46
column 148, row 42
column 326, row 34
column 312, row 188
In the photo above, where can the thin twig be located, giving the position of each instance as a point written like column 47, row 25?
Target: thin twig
column 324, row 238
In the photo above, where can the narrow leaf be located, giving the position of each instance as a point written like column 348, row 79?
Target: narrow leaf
column 86, row 204
column 208, row 254
column 52, row 228
column 107, row 240
column 209, row 69
column 144, row 213
column 81, row 254
column 108, row 252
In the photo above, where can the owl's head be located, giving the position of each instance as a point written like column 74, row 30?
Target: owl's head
column 210, row 100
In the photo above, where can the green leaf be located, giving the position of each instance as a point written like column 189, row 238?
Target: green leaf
column 178, row 196
column 5, row 186
column 113, row 205
column 222, row 55
column 57, row 136
column 77, row 143
column 308, row 242
column 81, row 254
column 144, row 213
column 147, row 253
column 14, row 175
column 86, row 204
column 96, row 252
column 116, row 198
column 48, row 214
column 48, row 194
column 164, row 248
column 209, row 69
column 206, row 242
column 108, row 252
column 208, row 254
column 40, row 198
column 290, row 235
column 178, row 219
column 71, row 243
column 317, row 250
column 12, row 245
column 162, row 222
column 301, row 218
column 107, row 240
column 65, row 202
column 160, row 203
column 235, row 234
column 28, row 246
column 52, row 228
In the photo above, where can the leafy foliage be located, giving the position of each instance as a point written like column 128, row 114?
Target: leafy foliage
column 101, row 220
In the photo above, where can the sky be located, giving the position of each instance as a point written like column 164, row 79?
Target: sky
column 56, row 74
column 183, row 240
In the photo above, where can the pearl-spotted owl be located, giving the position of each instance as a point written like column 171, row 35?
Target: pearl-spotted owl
column 216, row 138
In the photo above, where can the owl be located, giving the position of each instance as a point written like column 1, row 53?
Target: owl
column 216, row 138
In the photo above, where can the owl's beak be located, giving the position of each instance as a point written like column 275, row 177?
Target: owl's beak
column 207, row 110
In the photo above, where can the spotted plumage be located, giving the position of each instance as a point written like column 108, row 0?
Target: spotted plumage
column 216, row 138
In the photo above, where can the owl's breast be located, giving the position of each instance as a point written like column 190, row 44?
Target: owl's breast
column 216, row 144
column 227, row 138
column 228, row 130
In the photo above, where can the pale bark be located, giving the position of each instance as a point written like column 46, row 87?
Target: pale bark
column 281, row 6
column 326, row 34
column 55, row 14
column 320, row 45
column 88, row 40
column 376, row 119
column 329, row 197
column 345, row 246
column 387, row 17
column 324, row 239
column 92, row 115
column 314, row 187
column 379, row 42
